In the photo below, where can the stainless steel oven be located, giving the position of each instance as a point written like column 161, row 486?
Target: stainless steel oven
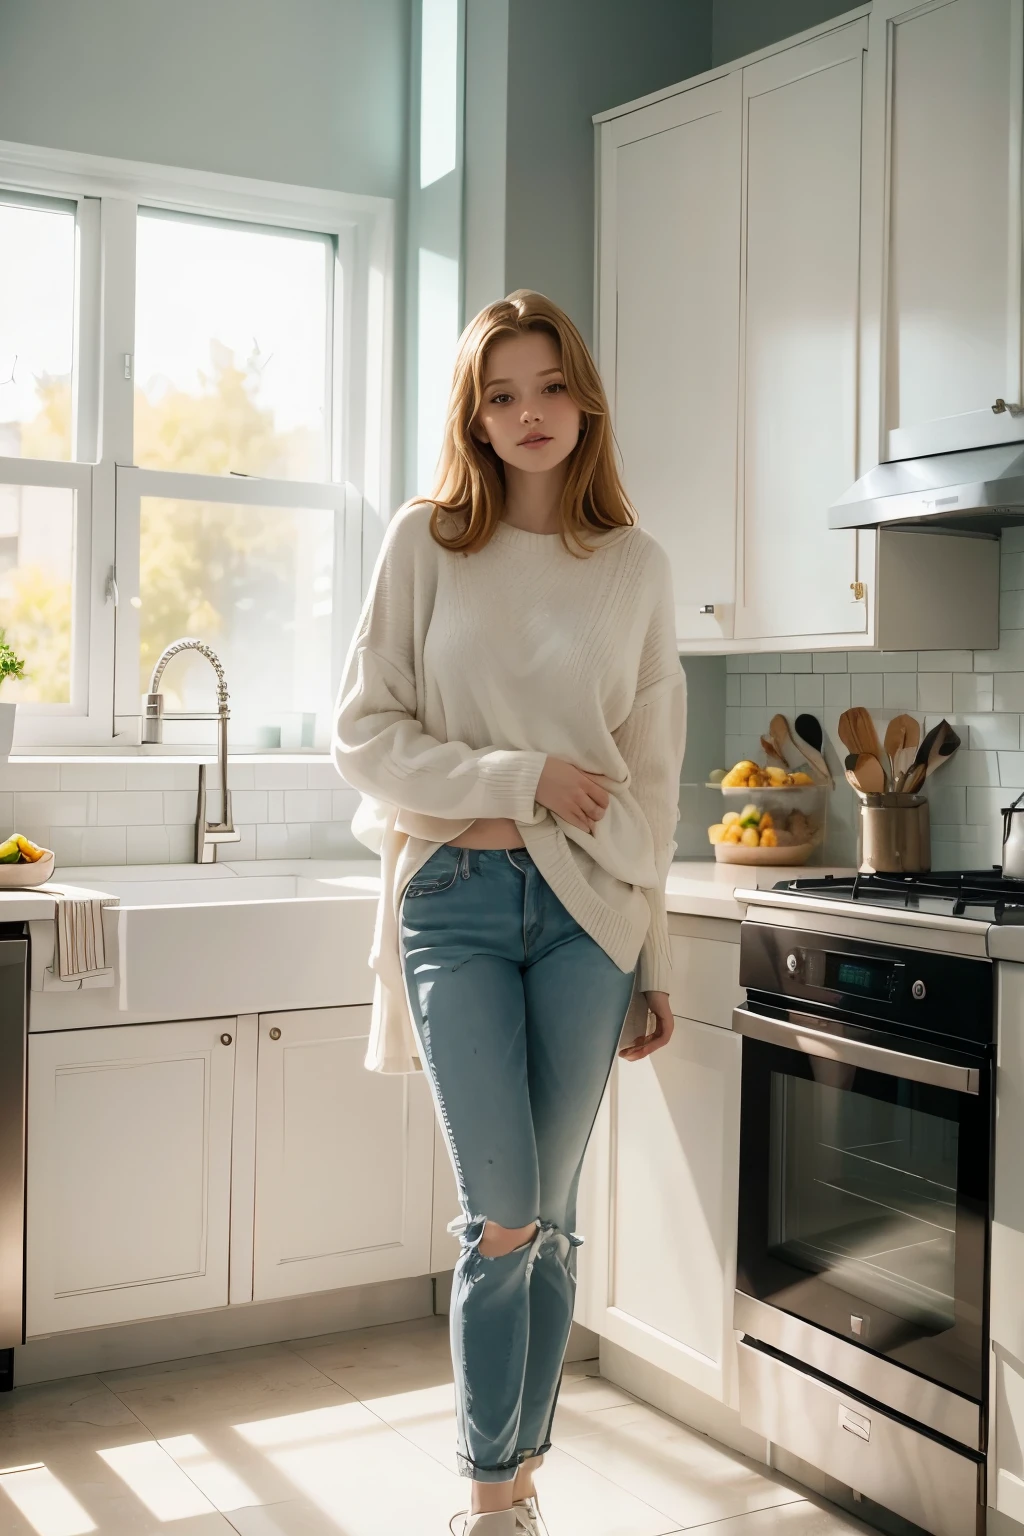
column 864, row 1213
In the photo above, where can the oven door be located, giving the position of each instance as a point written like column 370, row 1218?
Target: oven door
column 864, row 1190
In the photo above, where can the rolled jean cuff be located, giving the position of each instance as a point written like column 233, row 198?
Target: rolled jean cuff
column 503, row 1474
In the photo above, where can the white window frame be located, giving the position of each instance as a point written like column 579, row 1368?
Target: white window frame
column 105, row 706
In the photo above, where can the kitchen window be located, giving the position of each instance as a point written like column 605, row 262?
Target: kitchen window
column 194, row 378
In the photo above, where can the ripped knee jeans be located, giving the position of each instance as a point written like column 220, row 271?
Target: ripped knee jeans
column 518, row 1014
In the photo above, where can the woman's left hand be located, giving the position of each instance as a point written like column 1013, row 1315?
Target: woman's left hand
column 643, row 1045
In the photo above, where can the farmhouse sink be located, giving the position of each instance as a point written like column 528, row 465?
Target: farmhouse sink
column 196, row 941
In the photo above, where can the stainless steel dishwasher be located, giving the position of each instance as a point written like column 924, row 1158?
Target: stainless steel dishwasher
column 13, row 1039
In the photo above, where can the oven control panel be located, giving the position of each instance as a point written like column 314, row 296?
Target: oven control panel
column 944, row 994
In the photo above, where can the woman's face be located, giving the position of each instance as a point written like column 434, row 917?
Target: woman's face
column 526, row 414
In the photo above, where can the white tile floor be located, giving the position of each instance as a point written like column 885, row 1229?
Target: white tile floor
column 353, row 1435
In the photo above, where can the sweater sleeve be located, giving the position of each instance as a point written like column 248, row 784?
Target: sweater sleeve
column 379, row 745
column 651, row 741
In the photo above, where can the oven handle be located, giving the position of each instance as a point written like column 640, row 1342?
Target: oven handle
column 854, row 1053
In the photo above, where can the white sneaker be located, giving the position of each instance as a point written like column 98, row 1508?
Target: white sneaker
column 500, row 1522
column 529, row 1520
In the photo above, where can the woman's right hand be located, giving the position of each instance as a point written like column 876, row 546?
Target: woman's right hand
column 570, row 793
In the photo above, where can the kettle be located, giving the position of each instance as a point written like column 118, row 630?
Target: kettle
column 1013, row 840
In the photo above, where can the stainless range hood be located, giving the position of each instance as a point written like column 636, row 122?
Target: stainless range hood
column 977, row 491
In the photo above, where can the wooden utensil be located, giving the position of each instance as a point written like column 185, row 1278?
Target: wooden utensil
column 771, row 748
column 858, row 735
column 870, row 774
column 908, row 751
column 943, row 750
column 778, row 730
column 849, row 768
column 916, row 773
column 896, row 740
column 808, row 738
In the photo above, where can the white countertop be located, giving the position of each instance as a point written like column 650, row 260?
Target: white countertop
column 699, row 887
column 702, row 888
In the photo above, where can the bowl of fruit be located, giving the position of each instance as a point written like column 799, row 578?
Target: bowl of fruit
column 22, row 863
column 757, row 835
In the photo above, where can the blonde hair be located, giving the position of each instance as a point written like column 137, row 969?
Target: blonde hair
column 471, row 476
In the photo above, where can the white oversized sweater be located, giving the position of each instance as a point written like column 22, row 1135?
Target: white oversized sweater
column 465, row 673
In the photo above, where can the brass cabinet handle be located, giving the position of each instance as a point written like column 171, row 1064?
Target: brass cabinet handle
column 1002, row 405
column 225, row 1039
column 275, row 1033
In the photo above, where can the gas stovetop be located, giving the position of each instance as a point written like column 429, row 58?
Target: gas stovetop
column 984, row 896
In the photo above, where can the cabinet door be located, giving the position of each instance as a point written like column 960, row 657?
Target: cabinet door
column 344, row 1159
column 129, row 1164
column 800, row 336
column 669, row 280
column 673, row 1168
column 943, row 220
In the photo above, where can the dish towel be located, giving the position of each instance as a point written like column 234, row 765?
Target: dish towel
column 80, row 950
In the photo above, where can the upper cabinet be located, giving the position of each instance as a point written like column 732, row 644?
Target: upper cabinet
column 800, row 305
column 942, row 251
column 670, row 259
column 807, row 264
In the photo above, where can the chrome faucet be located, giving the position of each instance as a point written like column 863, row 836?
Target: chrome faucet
column 209, row 834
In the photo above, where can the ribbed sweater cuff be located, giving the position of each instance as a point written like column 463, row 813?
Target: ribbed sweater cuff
column 510, row 782
column 655, row 973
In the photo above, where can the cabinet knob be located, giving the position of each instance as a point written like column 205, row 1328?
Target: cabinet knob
column 1002, row 405
column 707, row 608
column 859, row 590
column 225, row 1039
column 275, row 1033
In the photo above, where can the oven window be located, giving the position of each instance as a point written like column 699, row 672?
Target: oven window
column 862, row 1193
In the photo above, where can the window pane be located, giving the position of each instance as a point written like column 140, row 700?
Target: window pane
column 37, row 530
column 256, row 584
column 37, row 319
column 231, row 350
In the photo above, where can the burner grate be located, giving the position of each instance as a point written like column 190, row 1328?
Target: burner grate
column 963, row 890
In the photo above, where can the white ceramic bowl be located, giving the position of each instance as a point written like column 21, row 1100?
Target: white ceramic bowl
column 736, row 853
column 13, row 876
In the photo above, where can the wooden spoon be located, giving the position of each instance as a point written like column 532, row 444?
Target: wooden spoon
column 849, row 767
column 896, row 740
column 858, row 735
column 771, row 748
column 916, row 773
column 870, row 774
column 943, row 750
column 908, row 751
column 778, row 730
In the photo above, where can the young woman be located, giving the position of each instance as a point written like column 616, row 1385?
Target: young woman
column 513, row 711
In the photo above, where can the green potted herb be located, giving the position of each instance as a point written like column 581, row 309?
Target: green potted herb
column 11, row 665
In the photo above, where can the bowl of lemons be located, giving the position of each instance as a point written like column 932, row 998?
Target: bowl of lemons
column 22, row 863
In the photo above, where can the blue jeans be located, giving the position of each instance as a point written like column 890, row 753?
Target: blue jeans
column 518, row 1014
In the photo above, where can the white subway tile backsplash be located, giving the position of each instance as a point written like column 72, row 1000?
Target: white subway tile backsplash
column 837, row 690
column 935, row 691
column 768, row 661
column 279, row 776
column 779, row 692
column 737, row 663
column 283, row 842
column 147, row 845
column 866, row 661
column 732, row 688
column 1011, row 768
column 1008, row 691
column 947, row 802
column 54, row 809
column 323, row 776
column 132, row 808
column 752, row 689
column 275, row 805
column 179, row 806
column 1011, row 610
column 1011, row 571
column 829, row 661
column 181, row 844
column 40, row 777
column 160, row 776
column 797, row 661
column 972, row 692
column 7, row 812
column 92, row 776
column 995, row 733
column 866, row 690
column 945, row 661
column 899, row 690
column 810, row 690
column 104, row 845
column 344, row 803
column 307, row 805
column 248, row 806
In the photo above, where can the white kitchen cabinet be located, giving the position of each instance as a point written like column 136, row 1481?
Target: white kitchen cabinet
column 669, row 250
column 658, row 1213
column 344, row 1159
column 799, row 339
column 128, row 1173
column 942, row 230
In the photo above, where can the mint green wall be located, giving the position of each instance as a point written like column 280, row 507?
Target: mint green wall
column 742, row 26
column 311, row 92
column 568, row 59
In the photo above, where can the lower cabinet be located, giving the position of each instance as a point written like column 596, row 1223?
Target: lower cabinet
column 344, row 1159
column 658, row 1208
column 129, row 1169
